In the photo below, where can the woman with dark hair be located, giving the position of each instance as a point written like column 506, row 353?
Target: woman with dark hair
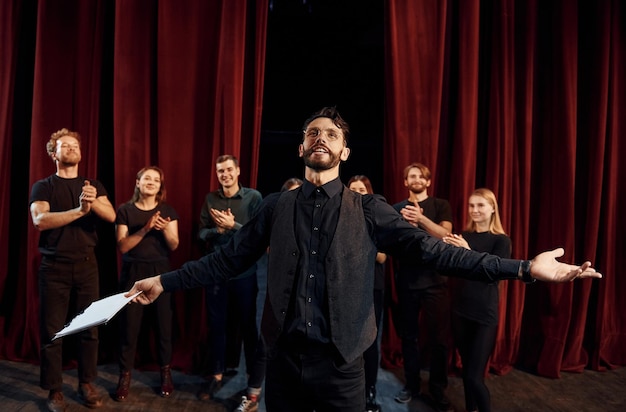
column 361, row 184
column 147, row 231
column 291, row 183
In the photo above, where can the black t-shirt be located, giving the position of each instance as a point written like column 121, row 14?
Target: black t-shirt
column 410, row 274
column 153, row 246
column 77, row 239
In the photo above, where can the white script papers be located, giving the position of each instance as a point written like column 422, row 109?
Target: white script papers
column 97, row 313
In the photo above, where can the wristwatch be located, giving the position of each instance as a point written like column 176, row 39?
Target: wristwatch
column 523, row 272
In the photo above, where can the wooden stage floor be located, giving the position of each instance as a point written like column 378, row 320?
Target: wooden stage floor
column 517, row 391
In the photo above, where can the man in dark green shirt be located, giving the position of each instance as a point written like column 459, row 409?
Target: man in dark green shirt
column 231, row 306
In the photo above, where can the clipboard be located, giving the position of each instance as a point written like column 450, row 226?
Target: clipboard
column 97, row 313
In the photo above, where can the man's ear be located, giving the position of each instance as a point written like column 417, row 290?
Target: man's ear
column 300, row 150
column 345, row 153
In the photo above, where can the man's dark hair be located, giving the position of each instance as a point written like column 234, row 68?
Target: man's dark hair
column 227, row 157
column 332, row 114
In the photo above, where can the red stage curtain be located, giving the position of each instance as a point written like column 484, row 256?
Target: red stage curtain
column 18, row 291
column 524, row 97
column 521, row 97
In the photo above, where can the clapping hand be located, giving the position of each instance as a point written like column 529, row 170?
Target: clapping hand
column 456, row 240
column 224, row 219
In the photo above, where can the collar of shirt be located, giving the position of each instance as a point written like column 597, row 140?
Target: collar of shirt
column 239, row 193
column 331, row 188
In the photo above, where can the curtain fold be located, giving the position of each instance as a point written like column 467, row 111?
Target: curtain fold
column 503, row 141
column 609, row 338
column 14, row 312
column 414, row 76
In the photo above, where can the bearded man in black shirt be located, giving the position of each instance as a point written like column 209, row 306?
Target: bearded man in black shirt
column 318, row 317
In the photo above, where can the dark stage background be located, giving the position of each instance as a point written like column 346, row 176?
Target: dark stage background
column 322, row 53
column 524, row 97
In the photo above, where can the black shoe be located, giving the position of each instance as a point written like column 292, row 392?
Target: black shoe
column 370, row 401
column 208, row 390
column 372, row 407
column 56, row 402
column 90, row 396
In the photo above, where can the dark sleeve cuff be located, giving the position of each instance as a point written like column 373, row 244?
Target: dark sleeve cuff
column 515, row 269
column 170, row 281
column 509, row 269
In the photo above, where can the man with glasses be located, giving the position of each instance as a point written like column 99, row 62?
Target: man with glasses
column 323, row 238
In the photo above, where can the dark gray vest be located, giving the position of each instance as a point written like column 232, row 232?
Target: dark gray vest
column 349, row 276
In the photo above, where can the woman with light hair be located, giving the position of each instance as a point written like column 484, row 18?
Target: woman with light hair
column 475, row 304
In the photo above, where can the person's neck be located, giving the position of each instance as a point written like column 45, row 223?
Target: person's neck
column 418, row 197
column 67, row 172
column 146, row 202
column 321, row 177
column 231, row 190
column 482, row 227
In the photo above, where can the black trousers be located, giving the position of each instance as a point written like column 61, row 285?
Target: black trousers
column 475, row 342
column 132, row 316
column 433, row 304
column 314, row 379
column 232, row 303
column 131, row 319
column 58, row 282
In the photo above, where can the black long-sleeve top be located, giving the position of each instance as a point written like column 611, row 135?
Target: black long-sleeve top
column 479, row 301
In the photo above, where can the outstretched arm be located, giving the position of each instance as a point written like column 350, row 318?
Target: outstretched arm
column 546, row 268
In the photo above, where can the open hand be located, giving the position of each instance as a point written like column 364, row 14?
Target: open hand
column 545, row 267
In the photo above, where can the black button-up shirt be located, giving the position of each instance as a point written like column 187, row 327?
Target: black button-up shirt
column 316, row 216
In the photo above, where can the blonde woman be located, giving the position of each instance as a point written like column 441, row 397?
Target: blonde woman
column 475, row 304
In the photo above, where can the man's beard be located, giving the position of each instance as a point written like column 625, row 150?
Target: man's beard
column 319, row 165
column 417, row 189
column 70, row 160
